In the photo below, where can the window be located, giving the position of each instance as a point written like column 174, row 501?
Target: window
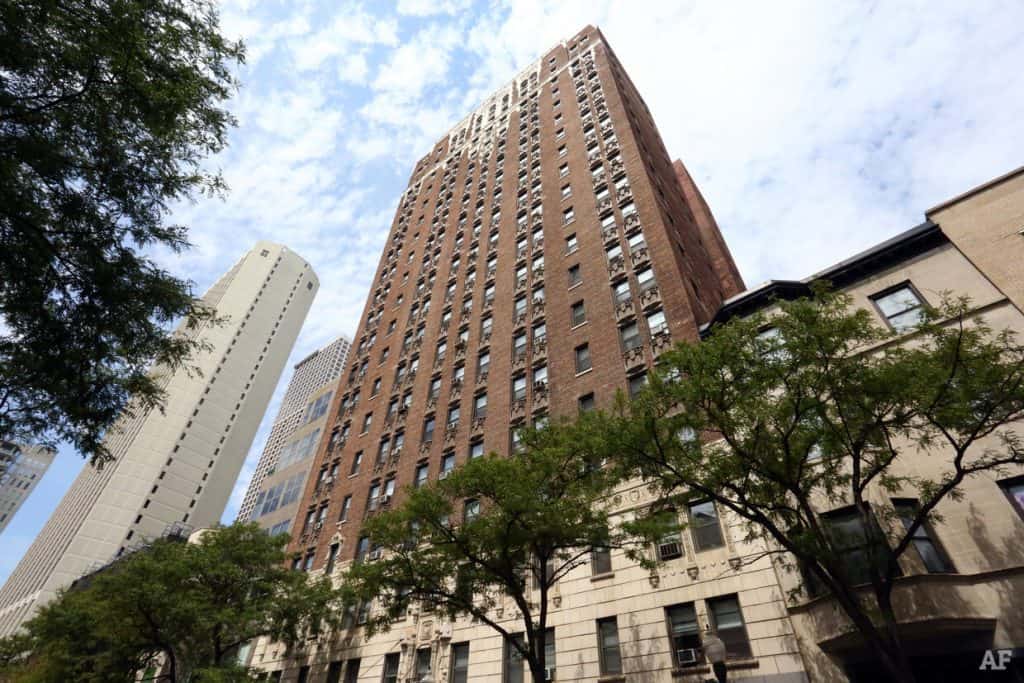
column 583, row 358
column 471, row 510
column 519, row 345
column 645, row 278
column 332, row 555
column 575, row 276
column 428, row 429
column 435, row 388
column 656, row 323
column 352, row 671
column 460, row 663
column 376, row 387
column 931, row 553
column 585, row 403
column 566, row 191
column 637, row 383
column 851, row 543
column 629, row 335
column 562, row 151
column 608, row 642
column 727, row 620
column 447, row 463
column 485, row 326
column 515, row 439
column 571, row 244
column 391, row 667
column 901, row 307
column 519, row 388
column 707, row 533
column 568, row 216
column 563, row 170
column 519, row 307
column 357, row 460
column 362, row 548
column 540, row 376
column 578, row 314
column 480, row 406
column 423, row 663
column 600, row 561
column 453, row 415
column 346, row 506
column 373, row 497
column 422, row 473
column 1014, row 490
column 540, row 333
column 367, row 421
column 483, row 363
column 684, row 634
column 514, row 669
column 476, row 449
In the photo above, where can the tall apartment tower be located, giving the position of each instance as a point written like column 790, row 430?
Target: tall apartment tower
column 273, row 493
column 177, row 465
column 546, row 251
column 21, row 468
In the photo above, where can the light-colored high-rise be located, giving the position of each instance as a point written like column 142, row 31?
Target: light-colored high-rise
column 280, row 475
column 180, row 464
column 21, row 468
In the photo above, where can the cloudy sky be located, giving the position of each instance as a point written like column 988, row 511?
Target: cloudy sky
column 814, row 129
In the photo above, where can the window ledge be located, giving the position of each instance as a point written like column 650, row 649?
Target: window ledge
column 602, row 577
column 612, row 678
column 584, row 372
column 730, row 664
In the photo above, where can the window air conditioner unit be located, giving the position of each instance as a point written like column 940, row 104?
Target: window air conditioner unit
column 385, row 500
column 549, row 673
column 686, row 656
column 375, row 555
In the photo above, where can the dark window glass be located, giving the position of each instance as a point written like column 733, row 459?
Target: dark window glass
column 707, row 532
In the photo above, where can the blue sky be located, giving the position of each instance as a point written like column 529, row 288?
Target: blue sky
column 813, row 129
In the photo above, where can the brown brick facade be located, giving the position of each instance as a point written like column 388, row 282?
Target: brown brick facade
column 450, row 211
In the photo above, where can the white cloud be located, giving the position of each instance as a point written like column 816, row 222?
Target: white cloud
column 426, row 8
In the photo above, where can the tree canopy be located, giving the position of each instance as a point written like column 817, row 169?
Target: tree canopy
column 491, row 539
column 783, row 416
column 107, row 112
column 188, row 606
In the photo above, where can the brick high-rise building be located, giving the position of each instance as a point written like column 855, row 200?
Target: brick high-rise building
column 545, row 252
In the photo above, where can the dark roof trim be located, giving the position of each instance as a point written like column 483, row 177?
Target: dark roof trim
column 917, row 240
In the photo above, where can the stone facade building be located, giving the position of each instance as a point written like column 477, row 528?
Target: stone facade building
column 176, row 465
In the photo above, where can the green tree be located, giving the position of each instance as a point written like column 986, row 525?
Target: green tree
column 496, row 529
column 190, row 606
column 809, row 409
column 107, row 111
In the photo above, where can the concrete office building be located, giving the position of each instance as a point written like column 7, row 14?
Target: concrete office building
column 178, row 465
column 273, row 494
column 21, row 468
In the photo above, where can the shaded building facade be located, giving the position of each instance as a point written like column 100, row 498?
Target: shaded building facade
column 21, row 468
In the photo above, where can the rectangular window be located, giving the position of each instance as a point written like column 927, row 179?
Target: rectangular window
column 346, row 506
column 707, row 532
column 645, row 278
column 637, row 383
column 928, row 549
column 684, row 634
column 422, row 473
column 851, row 543
column 428, row 429
column 357, row 460
column 447, row 463
column 600, row 561
column 1014, row 490
column 585, row 403
column 901, row 307
column 480, row 406
column 334, row 672
column 583, row 358
column 332, row 555
column 608, row 642
column 571, row 244
column 513, row 666
column 519, row 388
column 656, row 323
column 460, row 663
column 629, row 335
column 578, row 315
column 423, row 663
column 727, row 620
column 476, row 449
column 352, row 671
column 575, row 277
column 391, row 661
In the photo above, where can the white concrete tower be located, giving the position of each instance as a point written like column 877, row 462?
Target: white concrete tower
column 177, row 465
